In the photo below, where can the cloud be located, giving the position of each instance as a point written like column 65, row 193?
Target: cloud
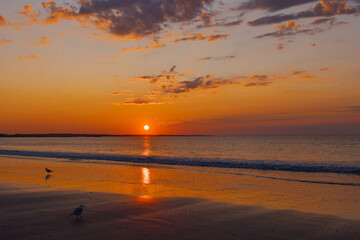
column 257, row 81
column 29, row 57
column 142, row 101
column 324, row 8
column 57, row 13
column 4, row 23
column 44, row 41
column 331, row 21
column 32, row 17
column 156, row 42
column 200, row 36
column 128, row 17
column 288, row 26
column 169, row 84
column 123, row 92
column 353, row 109
column 172, row 69
column 217, row 58
column 209, row 22
column 301, row 75
column 157, row 78
column 203, row 83
column 292, row 28
column 5, row 41
column 159, row 42
column 271, row 5
column 2, row 20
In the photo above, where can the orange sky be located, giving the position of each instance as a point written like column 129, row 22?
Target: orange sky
column 181, row 66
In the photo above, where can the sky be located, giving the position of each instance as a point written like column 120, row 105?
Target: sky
column 244, row 67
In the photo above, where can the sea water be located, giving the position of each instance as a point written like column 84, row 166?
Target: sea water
column 333, row 154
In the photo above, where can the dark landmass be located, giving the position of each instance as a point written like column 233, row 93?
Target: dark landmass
column 89, row 135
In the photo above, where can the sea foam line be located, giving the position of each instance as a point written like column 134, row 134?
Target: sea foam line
column 199, row 162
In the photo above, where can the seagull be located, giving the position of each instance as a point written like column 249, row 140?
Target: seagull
column 78, row 211
column 48, row 170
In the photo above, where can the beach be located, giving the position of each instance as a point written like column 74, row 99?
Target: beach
column 29, row 213
column 151, row 201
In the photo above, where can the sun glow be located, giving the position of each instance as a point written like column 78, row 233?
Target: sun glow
column 146, row 127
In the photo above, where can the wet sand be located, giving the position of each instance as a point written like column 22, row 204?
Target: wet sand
column 32, row 212
column 125, row 201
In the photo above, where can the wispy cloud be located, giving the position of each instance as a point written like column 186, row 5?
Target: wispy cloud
column 43, row 42
column 34, row 57
column 271, row 5
column 159, row 42
column 217, row 58
column 5, row 41
column 324, row 8
column 141, row 101
column 200, row 36
column 349, row 109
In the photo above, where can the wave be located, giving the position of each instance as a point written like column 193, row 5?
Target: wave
column 312, row 167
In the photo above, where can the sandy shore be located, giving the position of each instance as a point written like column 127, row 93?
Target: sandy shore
column 42, row 213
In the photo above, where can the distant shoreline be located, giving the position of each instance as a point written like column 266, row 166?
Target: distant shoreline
column 91, row 135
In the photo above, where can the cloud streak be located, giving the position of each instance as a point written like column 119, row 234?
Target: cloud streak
column 271, row 5
column 324, row 8
column 43, row 42
column 217, row 58
column 34, row 57
column 5, row 41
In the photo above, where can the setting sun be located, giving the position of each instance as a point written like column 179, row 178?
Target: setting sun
column 146, row 127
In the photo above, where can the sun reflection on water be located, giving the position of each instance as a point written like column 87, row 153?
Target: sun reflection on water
column 145, row 176
column 146, row 145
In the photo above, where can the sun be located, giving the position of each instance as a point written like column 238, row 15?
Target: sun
column 146, row 127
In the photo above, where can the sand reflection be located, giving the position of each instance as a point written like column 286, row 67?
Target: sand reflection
column 145, row 176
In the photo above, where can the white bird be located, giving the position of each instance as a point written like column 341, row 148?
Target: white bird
column 78, row 211
column 48, row 170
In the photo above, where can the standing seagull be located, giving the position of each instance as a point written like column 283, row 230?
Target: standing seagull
column 77, row 212
column 48, row 170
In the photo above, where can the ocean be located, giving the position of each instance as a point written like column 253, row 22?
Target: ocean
column 329, row 154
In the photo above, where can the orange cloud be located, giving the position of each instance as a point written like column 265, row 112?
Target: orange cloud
column 44, row 41
column 5, row 41
column 154, row 43
column 289, row 25
column 142, row 101
column 2, row 20
column 31, row 16
column 57, row 13
column 29, row 57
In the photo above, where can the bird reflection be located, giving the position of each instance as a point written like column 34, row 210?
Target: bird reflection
column 47, row 177
column 146, row 145
column 145, row 176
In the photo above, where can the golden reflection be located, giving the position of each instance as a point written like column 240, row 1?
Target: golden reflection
column 146, row 145
column 145, row 199
column 145, row 176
